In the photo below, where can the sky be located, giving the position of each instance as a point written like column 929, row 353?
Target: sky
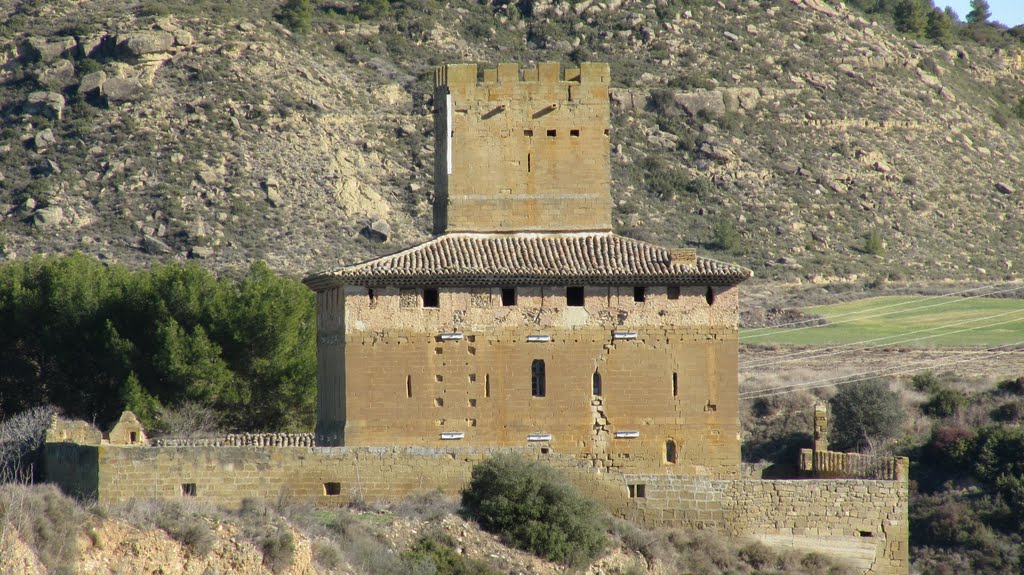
column 1009, row 12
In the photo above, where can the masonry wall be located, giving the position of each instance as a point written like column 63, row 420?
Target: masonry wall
column 406, row 383
column 522, row 150
column 862, row 522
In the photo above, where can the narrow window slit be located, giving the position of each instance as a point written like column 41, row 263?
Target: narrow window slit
column 538, row 377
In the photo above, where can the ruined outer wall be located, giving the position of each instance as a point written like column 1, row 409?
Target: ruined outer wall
column 73, row 466
column 863, row 522
column 529, row 149
column 406, row 385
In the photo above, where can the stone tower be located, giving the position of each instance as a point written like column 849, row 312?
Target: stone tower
column 522, row 150
column 526, row 321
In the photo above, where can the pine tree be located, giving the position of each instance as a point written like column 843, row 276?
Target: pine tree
column 911, row 16
column 980, row 12
column 940, row 28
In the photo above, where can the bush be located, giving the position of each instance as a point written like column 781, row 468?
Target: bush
column 278, row 549
column 863, row 414
column 926, row 382
column 434, row 554
column 47, row 521
column 873, row 244
column 530, row 506
column 21, row 437
column 945, row 403
column 296, row 15
column 724, row 235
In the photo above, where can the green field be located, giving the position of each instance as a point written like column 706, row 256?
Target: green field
column 906, row 321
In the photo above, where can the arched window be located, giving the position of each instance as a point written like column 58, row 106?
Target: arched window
column 597, row 383
column 670, row 451
column 709, row 296
column 538, row 381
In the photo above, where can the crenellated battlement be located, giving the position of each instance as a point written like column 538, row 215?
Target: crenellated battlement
column 550, row 73
column 522, row 149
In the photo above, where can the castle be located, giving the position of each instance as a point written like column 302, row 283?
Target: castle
column 527, row 321
column 525, row 325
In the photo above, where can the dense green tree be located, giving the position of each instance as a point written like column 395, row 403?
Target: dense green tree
column 296, row 15
column 94, row 340
column 911, row 16
column 980, row 12
column 864, row 413
column 940, row 28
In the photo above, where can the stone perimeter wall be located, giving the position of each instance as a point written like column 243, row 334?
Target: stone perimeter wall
column 863, row 522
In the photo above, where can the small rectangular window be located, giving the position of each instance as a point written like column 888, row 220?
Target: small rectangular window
column 133, row 437
column 431, row 298
column 673, row 292
column 574, row 133
column 637, row 490
column 487, row 385
column 639, row 294
column 408, row 386
column 371, row 295
column 552, row 133
column 508, row 297
column 332, row 488
column 528, row 133
column 188, row 489
column 675, row 384
column 574, row 296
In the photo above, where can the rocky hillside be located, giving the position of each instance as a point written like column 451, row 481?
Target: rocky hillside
column 797, row 137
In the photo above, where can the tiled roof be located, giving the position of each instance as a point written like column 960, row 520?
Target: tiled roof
column 477, row 259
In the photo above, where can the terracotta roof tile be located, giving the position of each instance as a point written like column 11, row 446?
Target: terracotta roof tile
column 476, row 259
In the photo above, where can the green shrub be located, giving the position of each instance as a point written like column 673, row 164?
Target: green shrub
column 534, row 508
column 863, row 414
column 296, row 15
column 278, row 549
column 1009, row 412
column 926, row 382
column 945, row 403
column 873, row 244
column 435, row 554
column 725, row 236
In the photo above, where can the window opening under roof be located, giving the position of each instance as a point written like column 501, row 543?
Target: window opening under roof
column 431, row 297
column 574, row 296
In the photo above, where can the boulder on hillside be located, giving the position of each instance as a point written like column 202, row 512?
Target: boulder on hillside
column 49, row 104
column 48, row 217
column 144, row 42
column 123, row 89
column 378, row 231
column 152, row 245
column 92, row 83
column 44, row 139
column 710, row 102
column 47, row 49
column 58, row 75
column 1004, row 188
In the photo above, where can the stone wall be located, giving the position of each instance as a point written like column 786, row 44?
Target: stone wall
column 462, row 373
column 860, row 521
column 522, row 150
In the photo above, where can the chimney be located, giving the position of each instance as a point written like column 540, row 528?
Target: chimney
column 683, row 256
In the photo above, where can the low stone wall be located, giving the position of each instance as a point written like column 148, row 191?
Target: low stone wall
column 243, row 440
column 839, row 465
column 863, row 522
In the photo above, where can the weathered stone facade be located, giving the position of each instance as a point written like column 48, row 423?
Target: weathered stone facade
column 522, row 150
